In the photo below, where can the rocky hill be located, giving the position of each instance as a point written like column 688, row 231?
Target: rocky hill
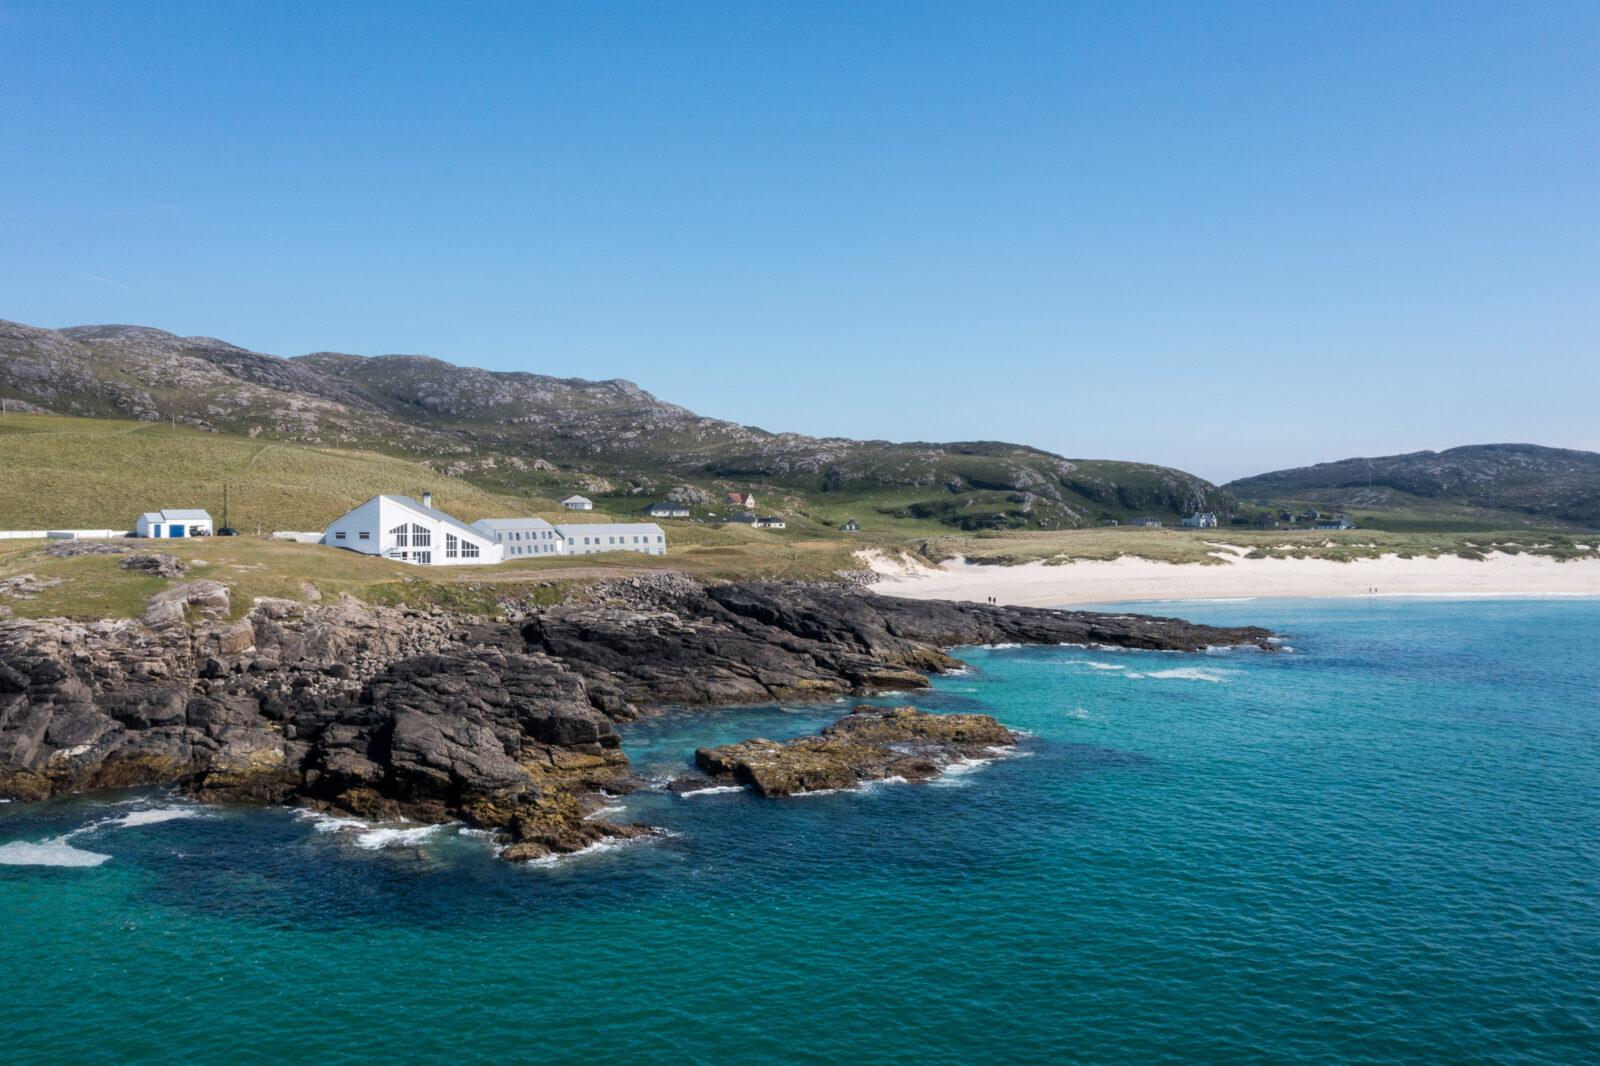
column 600, row 436
column 1525, row 480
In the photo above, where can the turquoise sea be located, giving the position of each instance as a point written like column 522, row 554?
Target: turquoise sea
column 1382, row 846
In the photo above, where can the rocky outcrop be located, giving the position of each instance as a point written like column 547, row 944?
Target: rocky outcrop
column 156, row 564
column 679, row 642
column 390, row 713
column 869, row 744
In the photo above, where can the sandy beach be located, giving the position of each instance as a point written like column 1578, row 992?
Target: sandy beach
column 1127, row 578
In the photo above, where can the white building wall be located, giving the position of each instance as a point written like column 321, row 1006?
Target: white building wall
column 644, row 537
column 521, row 538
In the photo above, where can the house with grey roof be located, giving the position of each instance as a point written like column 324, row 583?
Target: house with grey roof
column 409, row 531
column 578, row 503
column 176, row 522
column 667, row 509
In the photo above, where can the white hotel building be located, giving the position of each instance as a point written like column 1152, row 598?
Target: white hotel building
column 522, row 536
column 535, row 536
column 400, row 528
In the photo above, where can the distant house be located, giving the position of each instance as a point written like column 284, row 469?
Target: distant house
column 1201, row 520
column 182, row 522
column 578, row 503
column 1148, row 523
column 645, row 537
column 772, row 521
column 408, row 531
column 850, row 526
column 667, row 509
column 743, row 518
column 522, row 536
column 1109, row 522
column 740, row 499
column 1342, row 521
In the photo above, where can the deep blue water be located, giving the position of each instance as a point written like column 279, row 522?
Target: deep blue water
column 1383, row 846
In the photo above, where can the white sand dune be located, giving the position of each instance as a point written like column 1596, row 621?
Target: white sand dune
column 1127, row 578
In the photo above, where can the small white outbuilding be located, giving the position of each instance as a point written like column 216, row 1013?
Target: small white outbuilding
column 578, row 503
column 179, row 522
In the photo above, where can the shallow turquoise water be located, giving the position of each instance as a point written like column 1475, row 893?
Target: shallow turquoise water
column 1383, row 846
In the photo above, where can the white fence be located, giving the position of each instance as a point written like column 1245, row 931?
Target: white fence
column 61, row 534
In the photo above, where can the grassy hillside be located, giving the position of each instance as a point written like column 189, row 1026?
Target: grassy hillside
column 93, row 473
column 521, row 434
column 1483, row 486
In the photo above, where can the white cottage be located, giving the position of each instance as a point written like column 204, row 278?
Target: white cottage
column 400, row 528
column 578, row 503
column 182, row 522
column 519, row 537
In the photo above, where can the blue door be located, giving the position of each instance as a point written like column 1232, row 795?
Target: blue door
column 178, row 530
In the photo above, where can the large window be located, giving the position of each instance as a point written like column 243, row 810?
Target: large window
column 469, row 550
column 452, row 546
column 420, row 537
column 401, row 540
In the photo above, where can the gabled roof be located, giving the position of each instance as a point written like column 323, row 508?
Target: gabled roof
column 438, row 516
column 186, row 514
column 577, row 499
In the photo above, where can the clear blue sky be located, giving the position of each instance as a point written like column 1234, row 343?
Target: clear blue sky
column 1228, row 237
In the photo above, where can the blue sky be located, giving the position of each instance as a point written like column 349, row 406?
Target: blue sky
column 1224, row 237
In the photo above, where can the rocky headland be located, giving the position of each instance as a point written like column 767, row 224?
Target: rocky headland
column 508, row 724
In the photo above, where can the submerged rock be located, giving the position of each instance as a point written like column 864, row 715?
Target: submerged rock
column 869, row 744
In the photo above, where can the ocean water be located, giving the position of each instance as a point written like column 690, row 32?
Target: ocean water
column 1382, row 846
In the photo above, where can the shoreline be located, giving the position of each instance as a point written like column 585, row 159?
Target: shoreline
column 1129, row 580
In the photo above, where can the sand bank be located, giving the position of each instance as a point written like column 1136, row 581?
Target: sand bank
column 1127, row 578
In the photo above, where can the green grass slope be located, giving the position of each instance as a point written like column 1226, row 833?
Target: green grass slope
column 101, row 473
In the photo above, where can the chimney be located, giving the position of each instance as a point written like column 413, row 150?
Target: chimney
column 427, row 498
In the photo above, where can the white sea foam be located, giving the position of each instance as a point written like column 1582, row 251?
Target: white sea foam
column 331, row 823
column 396, row 836
column 999, row 647
column 1076, row 712
column 1104, row 666
column 607, row 811
column 53, row 852
column 711, row 790
column 154, row 816
column 1187, row 673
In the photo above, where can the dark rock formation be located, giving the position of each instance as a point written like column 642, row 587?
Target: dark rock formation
column 869, row 744
column 688, row 643
column 419, row 714
column 157, row 564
